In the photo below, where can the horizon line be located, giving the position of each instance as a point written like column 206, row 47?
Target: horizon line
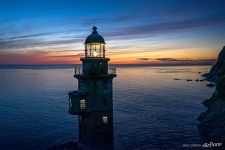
column 164, row 64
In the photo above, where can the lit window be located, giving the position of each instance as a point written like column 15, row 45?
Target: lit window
column 82, row 104
column 105, row 119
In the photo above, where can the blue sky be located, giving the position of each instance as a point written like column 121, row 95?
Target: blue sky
column 51, row 31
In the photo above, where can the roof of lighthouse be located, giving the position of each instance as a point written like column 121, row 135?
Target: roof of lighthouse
column 94, row 37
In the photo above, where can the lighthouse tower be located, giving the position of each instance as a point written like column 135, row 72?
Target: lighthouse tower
column 93, row 102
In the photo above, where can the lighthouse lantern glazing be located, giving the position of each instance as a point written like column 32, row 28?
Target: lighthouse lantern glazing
column 94, row 44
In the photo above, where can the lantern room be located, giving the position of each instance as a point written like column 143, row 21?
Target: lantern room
column 94, row 44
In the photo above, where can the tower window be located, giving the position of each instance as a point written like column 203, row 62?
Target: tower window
column 105, row 119
column 82, row 104
column 70, row 103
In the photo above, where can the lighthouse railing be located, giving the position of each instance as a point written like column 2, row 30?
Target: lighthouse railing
column 79, row 70
column 112, row 70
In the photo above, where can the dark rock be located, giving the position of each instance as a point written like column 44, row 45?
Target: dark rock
column 206, row 102
column 176, row 79
column 221, row 87
column 212, row 121
column 189, row 80
column 218, row 70
column 201, row 80
column 197, row 80
column 210, row 85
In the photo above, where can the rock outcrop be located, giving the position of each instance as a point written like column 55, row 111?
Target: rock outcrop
column 212, row 121
column 218, row 70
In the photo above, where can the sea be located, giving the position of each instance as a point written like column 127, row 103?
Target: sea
column 152, row 111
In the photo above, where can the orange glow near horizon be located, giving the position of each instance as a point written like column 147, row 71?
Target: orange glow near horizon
column 116, row 57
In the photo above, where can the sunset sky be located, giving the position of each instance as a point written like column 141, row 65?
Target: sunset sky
column 135, row 31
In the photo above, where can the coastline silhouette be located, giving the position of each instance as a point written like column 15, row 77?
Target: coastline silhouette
column 212, row 121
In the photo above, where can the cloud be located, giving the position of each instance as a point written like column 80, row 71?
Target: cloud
column 143, row 58
column 151, row 29
column 38, row 58
column 27, row 43
column 67, row 56
column 172, row 59
column 184, row 60
column 124, row 32
column 109, row 20
column 30, row 35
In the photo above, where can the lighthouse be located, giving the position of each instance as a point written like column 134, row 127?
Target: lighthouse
column 93, row 101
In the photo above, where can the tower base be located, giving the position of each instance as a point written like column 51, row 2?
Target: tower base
column 82, row 146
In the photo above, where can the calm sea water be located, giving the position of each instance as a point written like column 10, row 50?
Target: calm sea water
column 151, row 110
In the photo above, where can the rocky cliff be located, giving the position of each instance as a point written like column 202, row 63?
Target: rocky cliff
column 218, row 70
column 212, row 121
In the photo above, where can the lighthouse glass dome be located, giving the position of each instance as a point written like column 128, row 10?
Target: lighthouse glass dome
column 94, row 44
